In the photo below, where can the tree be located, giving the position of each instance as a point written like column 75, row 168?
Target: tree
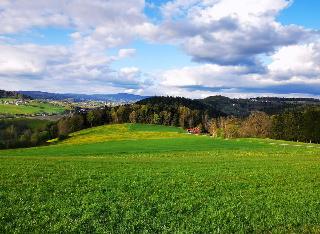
column 184, row 114
column 155, row 119
column 166, row 117
column 25, row 138
column 63, row 127
column 258, row 124
column 94, row 117
column 214, row 128
column 232, row 127
column 34, row 140
column 76, row 123
column 122, row 114
column 133, row 117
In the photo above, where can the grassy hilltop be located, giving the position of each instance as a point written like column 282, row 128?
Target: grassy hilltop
column 139, row 178
column 32, row 107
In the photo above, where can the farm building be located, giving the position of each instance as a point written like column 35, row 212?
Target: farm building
column 194, row 130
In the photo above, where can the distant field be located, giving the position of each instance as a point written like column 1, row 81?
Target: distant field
column 148, row 178
column 31, row 108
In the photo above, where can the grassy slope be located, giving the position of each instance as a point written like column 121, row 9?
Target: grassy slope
column 179, row 183
column 32, row 108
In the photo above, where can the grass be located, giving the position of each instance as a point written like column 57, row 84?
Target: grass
column 34, row 107
column 123, row 132
column 138, row 180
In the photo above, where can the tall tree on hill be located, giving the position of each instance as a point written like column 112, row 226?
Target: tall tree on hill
column 232, row 127
column 185, row 117
column 258, row 124
column 63, row 127
column 166, row 117
column 133, row 117
column 95, row 117
column 76, row 123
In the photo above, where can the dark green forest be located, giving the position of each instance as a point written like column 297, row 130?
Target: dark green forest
column 12, row 94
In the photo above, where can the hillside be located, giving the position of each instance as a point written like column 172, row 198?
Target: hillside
column 167, row 102
column 147, row 178
column 270, row 105
column 224, row 106
column 17, row 107
column 13, row 94
column 118, row 98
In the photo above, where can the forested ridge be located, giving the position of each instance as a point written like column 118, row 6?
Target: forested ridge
column 241, row 107
column 13, row 94
column 299, row 122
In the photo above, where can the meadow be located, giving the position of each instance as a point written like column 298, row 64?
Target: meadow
column 34, row 107
column 148, row 178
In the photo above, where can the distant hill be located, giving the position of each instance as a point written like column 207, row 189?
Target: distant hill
column 13, row 94
column 181, row 101
column 239, row 107
column 270, row 105
column 214, row 105
column 120, row 97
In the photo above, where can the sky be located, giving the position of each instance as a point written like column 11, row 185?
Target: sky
column 191, row 48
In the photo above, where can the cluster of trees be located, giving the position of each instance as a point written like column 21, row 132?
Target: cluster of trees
column 301, row 126
column 12, row 94
column 258, row 124
column 25, row 133
column 298, row 125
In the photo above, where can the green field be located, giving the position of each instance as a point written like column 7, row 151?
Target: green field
column 147, row 178
column 34, row 107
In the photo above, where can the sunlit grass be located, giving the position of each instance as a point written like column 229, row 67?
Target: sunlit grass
column 183, row 184
column 124, row 132
column 34, row 107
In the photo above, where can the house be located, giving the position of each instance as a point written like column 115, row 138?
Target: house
column 195, row 130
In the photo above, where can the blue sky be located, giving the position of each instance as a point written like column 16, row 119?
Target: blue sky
column 178, row 47
column 302, row 12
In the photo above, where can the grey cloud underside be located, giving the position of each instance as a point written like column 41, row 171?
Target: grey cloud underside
column 244, row 47
column 275, row 89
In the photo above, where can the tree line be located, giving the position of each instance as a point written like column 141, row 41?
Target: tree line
column 294, row 125
column 302, row 125
column 17, row 133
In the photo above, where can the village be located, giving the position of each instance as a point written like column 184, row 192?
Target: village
column 17, row 102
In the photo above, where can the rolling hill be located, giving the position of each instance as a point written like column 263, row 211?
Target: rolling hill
column 120, row 97
column 149, row 178
column 12, row 107
column 242, row 107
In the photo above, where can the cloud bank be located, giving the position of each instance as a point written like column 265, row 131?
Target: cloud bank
column 237, row 48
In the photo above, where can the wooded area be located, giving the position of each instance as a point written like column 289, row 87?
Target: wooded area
column 302, row 124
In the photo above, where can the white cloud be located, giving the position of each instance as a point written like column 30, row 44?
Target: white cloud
column 296, row 61
column 203, row 75
column 67, row 66
column 28, row 59
column 227, row 37
column 99, row 25
column 293, row 70
column 228, row 32
column 245, row 11
column 14, row 60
